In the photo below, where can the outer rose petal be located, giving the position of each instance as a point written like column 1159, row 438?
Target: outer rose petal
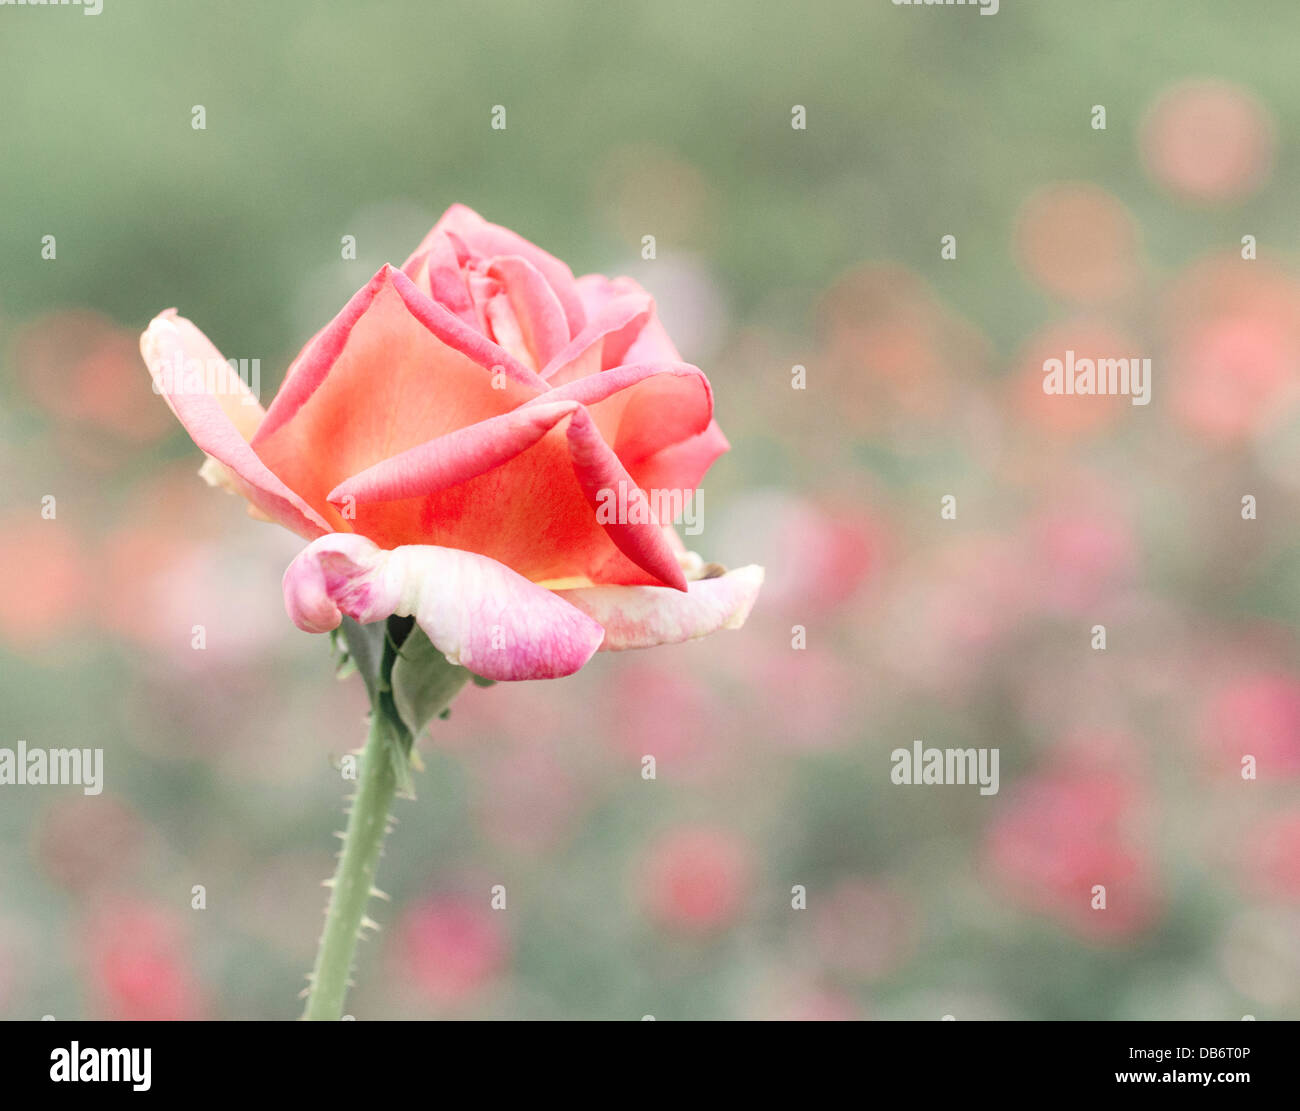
column 643, row 616
column 652, row 343
column 220, row 423
column 477, row 612
column 683, row 465
column 600, row 474
column 642, row 409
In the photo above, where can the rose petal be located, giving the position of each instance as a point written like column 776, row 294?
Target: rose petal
column 652, row 344
column 602, row 476
column 488, row 240
column 220, row 423
column 502, row 488
column 454, row 458
column 477, row 612
column 683, row 465
column 644, row 616
column 536, row 307
column 605, row 340
column 642, row 409
column 438, row 273
column 392, row 371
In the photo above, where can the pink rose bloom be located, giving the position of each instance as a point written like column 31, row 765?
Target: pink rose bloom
column 483, row 442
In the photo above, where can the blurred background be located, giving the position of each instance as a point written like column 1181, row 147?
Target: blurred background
column 776, row 248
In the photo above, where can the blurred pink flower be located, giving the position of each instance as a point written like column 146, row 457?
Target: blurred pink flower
column 1078, row 242
column 694, row 879
column 958, row 609
column 1081, row 554
column 139, row 966
column 47, row 558
column 817, row 554
column 894, row 350
column 704, row 735
column 1256, row 714
column 802, row 699
column 1059, row 833
column 1061, row 419
column 84, row 370
column 1233, row 333
column 169, row 561
column 450, row 947
column 1208, row 141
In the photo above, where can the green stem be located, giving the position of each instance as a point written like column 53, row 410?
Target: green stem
column 355, row 876
column 409, row 683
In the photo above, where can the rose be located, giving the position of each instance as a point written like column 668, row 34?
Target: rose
column 451, row 445
column 449, row 442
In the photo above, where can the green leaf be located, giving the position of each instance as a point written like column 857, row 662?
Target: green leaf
column 408, row 680
column 365, row 651
column 423, row 682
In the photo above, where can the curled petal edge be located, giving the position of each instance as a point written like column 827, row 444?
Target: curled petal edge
column 491, row 620
column 646, row 616
column 476, row 611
